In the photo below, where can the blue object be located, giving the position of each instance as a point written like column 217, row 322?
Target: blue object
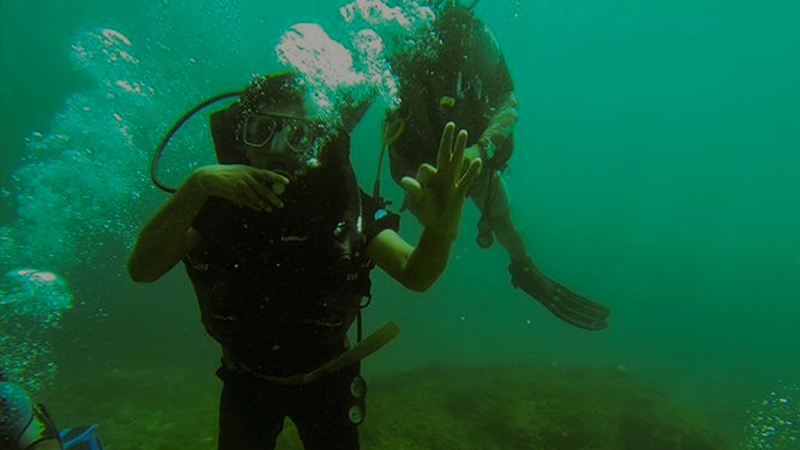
column 80, row 438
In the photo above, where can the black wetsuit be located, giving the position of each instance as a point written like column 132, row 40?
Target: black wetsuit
column 279, row 291
column 460, row 79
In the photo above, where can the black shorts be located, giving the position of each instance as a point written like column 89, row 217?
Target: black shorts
column 252, row 411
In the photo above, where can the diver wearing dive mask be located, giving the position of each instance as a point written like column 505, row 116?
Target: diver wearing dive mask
column 298, row 133
column 281, row 278
column 282, row 134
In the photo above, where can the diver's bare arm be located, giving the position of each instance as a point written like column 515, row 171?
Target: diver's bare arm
column 167, row 236
column 499, row 128
column 416, row 268
column 502, row 121
column 436, row 198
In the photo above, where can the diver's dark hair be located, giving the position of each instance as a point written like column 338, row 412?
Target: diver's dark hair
column 272, row 90
column 286, row 88
column 225, row 124
column 263, row 91
column 438, row 4
column 444, row 44
column 456, row 22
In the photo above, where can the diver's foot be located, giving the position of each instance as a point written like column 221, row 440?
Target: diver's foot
column 561, row 301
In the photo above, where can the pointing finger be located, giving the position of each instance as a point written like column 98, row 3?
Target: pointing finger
column 445, row 147
column 264, row 193
column 469, row 177
column 270, row 177
column 457, row 161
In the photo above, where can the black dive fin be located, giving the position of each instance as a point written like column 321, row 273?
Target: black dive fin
column 561, row 301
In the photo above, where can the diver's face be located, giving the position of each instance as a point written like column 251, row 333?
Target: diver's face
column 280, row 137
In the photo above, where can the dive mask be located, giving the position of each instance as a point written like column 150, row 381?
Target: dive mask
column 299, row 134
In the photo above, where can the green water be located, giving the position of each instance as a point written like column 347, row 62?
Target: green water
column 656, row 171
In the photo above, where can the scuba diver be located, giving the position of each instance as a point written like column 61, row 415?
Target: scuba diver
column 279, row 241
column 27, row 426
column 458, row 73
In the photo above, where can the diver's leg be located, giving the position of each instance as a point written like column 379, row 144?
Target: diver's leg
column 322, row 412
column 490, row 196
column 250, row 412
column 498, row 210
column 567, row 305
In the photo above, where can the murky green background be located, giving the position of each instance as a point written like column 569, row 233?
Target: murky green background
column 656, row 171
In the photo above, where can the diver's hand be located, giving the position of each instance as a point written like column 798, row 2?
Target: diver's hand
column 247, row 186
column 436, row 195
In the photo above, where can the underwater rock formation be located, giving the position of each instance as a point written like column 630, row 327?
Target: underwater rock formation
column 510, row 407
column 525, row 407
